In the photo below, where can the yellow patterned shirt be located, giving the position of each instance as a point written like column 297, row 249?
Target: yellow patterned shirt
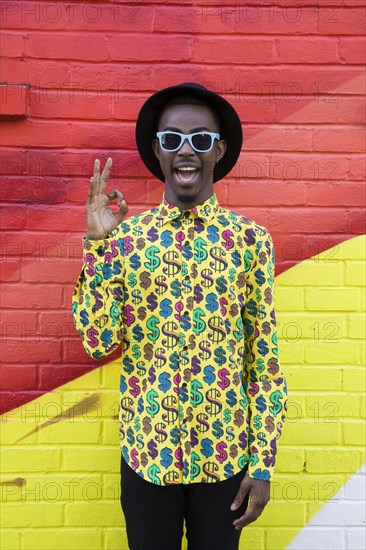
column 189, row 294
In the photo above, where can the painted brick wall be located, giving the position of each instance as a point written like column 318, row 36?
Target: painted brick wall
column 73, row 77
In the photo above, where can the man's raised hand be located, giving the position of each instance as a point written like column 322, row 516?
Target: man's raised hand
column 100, row 219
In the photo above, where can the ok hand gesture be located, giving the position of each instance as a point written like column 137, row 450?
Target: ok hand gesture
column 100, row 219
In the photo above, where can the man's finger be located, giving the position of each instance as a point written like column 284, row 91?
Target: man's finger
column 96, row 175
column 115, row 194
column 105, row 174
column 92, row 190
column 238, row 500
column 252, row 513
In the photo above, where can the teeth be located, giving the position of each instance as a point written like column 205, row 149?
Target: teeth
column 187, row 168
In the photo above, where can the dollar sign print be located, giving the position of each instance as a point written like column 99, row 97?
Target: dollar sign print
column 222, row 454
column 154, row 406
column 275, row 400
column 155, row 261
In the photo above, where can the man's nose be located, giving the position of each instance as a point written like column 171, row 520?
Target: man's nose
column 185, row 148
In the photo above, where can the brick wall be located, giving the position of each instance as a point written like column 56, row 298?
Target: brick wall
column 73, row 77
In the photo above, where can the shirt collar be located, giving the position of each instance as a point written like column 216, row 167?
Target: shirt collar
column 206, row 210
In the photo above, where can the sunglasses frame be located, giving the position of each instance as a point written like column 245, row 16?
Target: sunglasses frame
column 183, row 137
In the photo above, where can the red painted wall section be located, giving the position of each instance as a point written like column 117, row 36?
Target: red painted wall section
column 294, row 74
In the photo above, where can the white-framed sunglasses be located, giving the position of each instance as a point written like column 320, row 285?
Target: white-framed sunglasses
column 199, row 141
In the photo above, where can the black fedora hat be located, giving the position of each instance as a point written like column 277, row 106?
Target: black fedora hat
column 147, row 125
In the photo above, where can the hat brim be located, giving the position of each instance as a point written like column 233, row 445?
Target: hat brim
column 230, row 127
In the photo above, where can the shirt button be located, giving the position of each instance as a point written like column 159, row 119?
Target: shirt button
column 186, row 277
column 187, row 243
column 184, row 421
column 185, row 348
column 184, row 384
column 186, row 313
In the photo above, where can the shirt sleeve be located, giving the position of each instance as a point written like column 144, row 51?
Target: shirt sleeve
column 264, row 383
column 98, row 298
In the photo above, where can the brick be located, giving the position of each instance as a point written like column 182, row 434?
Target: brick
column 30, row 460
column 311, row 166
column 306, row 50
column 114, row 76
column 286, row 140
column 344, row 21
column 54, row 539
column 31, row 189
column 19, row 377
column 10, row 271
column 206, row 49
column 357, row 167
column 31, row 296
column 344, row 299
column 313, row 433
column 45, row 134
column 333, row 352
column 38, row 515
column 50, row 218
column 354, row 433
column 46, row 74
column 11, row 538
column 51, row 376
column 319, row 378
column 352, row 50
column 306, row 488
column 12, row 217
column 93, row 513
column 289, row 460
column 116, row 539
column 321, row 326
column 110, row 435
column 354, row 379
column 14, row 100
column 319, row 109
column 80, row 431
column 339, row 139
column 149, row 48
column 72, row 46
column 322, row 273
column 350, row 513
column 104, row 459
column 34, row 348
column 96, row 135
column 265, row 194
column 282, row 536
column 14, row 70
column 272, row 80
column 327, row 460
column 89, row 104
column 75, row 17
column 274, row 513
column 348, row 194
column 220, row 18
column 356, row 273
column 63, row 271
column 310, row 220
column 41, row 247
column 289, row 298
column 332, row 408
column 12, row 45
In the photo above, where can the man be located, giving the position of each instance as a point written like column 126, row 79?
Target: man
column 187, row 287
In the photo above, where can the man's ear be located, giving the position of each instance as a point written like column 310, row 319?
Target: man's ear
column 221, row 149
column 155, row 146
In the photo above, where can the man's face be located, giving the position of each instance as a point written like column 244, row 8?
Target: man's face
column 187, row 189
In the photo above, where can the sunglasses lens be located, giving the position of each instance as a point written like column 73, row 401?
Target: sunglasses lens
column 202, row 142
column 170, row 141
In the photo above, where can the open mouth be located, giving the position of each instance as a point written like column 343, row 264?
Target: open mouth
column 186, row 174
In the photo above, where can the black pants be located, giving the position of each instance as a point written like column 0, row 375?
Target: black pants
column 155, row 514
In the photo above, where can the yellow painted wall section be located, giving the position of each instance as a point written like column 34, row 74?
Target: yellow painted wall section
column 60, row 455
